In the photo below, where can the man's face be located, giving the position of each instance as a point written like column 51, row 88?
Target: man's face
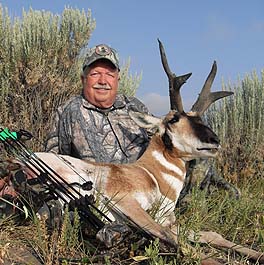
column 101, row 83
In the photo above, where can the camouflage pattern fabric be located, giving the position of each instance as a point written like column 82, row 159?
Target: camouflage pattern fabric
column 7, row 170
column 101, row 51
column 103, row 135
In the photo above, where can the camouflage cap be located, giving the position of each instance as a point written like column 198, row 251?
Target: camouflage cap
column 101, row 51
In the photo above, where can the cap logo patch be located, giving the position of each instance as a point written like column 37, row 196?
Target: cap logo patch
column 102, row 50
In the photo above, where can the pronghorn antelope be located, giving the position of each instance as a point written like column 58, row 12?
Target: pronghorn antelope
column 160, row 172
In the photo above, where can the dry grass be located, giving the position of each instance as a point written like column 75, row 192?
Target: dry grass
column 240, row 221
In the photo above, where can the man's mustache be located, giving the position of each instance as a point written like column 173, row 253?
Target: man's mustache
column 106, row 87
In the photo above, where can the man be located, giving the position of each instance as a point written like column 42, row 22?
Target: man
column 96, row 125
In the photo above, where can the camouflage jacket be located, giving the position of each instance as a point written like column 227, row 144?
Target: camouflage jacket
column 84, row 131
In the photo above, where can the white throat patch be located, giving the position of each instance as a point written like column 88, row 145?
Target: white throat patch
column 163, row 161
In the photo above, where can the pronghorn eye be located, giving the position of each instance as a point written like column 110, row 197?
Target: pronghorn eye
column 174, row 119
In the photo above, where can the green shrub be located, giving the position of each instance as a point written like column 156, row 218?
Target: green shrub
column 239, row 122
column 41, row 56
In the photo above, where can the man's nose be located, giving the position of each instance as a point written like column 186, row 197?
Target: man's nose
column 102, row 79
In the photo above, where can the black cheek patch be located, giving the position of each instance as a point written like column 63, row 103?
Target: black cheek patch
column 167, row 141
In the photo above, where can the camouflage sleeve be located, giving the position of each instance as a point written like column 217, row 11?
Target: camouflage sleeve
column 58, row 138
column 135, row 104
column 52, row 140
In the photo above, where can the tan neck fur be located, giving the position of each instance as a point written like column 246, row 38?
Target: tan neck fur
column 169, row 166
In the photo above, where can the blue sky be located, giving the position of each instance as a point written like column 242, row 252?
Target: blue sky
column 194, row 34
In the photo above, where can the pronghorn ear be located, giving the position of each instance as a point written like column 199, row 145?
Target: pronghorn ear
column 145, row 121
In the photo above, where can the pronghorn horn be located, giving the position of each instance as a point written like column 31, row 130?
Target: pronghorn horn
column 206, row 97
column 175, row 82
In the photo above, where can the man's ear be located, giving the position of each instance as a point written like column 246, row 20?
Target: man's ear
column 82, row 78
column 146, row 121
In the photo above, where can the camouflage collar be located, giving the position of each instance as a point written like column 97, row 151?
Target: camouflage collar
column 119, row 103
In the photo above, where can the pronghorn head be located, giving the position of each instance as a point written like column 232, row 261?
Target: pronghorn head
column 184, row 132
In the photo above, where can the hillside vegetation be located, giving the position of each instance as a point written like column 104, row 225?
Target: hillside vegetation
column 239, row 122
column 41, row 57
